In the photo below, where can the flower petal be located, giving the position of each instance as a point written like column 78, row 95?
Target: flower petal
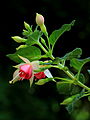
column 35, row 65
column 31, row 80
column 16, row 77
column 24, row 59
column 48, row 73
column 17, row 66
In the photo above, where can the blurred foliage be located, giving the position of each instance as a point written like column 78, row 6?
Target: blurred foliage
column 19, row 101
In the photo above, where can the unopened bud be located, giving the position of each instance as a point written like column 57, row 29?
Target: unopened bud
column 21, row 46
column 43, row 28
column 39, row 19
column 19, row 39
column 27, row 26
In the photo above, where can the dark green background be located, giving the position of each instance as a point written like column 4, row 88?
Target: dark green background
column 18, row 101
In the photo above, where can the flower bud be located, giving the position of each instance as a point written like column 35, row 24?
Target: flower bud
column 39, row 19
column 43, row 28
column 21, row 46
column 40, row 22
column 27, row 26
column 19, row 39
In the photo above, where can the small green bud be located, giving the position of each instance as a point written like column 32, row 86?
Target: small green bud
column 27, row 26
column 43, row 28
column 21, row 46
column 39, row 19
column 19, row 39
column 69, row 100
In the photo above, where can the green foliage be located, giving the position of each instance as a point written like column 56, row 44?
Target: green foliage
column 78, row 63
column 63, row 87
column 57, row 33
column 68, row 83
column 75, row 98
column 76, row 53
column 69, row 100
column 34, row 38
column 30, row 52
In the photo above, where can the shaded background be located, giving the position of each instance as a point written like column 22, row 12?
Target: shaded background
column 18, row 101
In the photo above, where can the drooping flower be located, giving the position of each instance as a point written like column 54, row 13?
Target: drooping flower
column 40, row 75
column 27, row 69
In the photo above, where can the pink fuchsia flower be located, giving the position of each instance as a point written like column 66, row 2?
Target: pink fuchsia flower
column 40, row 75
column 27, row 69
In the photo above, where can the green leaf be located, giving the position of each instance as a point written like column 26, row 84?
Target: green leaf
column 57, row 33
column 78, row 63
column 34, row 38
column 76, row 53
column 30, row 52
column 70, row 107
column 43, row 81
column 82, row 78
column 63, row 87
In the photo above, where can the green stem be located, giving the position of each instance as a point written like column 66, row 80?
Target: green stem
column 48, row 41
column 60, row 66
column 41, row 46
column 52, row 57
column 77, row 82
column 82, row 85
column 69, row 74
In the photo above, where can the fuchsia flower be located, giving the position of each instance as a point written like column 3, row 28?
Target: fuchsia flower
column 26, row 71
column 40, row 75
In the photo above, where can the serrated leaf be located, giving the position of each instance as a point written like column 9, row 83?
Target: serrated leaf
column 57, row 33
column 34, row 38
column 30, row 52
